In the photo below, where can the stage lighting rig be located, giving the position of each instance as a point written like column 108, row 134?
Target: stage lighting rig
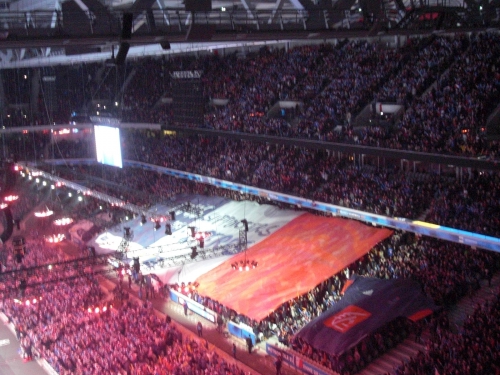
column 128, row 234
column 245, row 264
column 137, row 264
column 194, row 252
column 245, row 224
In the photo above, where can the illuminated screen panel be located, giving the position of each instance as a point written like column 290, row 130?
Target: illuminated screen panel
column 108, row 146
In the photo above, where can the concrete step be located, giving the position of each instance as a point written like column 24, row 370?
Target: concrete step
column 410, row 347
column 467, row 305
column 375, row 368
column 386, row 363
column 395, row 357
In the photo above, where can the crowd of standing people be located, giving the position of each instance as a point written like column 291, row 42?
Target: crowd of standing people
column 446, row 85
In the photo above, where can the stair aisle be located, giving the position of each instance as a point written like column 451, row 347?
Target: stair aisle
column 409, row 348
column 467, row 305
column 394, row 357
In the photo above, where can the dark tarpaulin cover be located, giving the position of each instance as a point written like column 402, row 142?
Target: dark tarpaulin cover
column 367, row 305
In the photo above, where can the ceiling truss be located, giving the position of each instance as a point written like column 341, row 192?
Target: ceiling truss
column 45, row 29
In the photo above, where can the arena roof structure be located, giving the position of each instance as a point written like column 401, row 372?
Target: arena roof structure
column 53, row 32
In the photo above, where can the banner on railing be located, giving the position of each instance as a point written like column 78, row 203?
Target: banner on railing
column 194, row 306
column 296, row 362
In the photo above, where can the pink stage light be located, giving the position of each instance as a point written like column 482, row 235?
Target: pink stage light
column 55, row 238
column 204, row 235
column 45, row 213
column 63, row 221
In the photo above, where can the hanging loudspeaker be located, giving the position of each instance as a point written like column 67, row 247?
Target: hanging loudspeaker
column 122, row 53
column 128, row 19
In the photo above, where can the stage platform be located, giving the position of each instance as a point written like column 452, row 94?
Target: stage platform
column 219, row 220
column 295, row 251
column 291, row 261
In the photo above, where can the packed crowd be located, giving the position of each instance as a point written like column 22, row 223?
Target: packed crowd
column 37, row 252
column 451, row 116
column 71, row 322
column 448, row 84
column 270, row 167
column 402, row 256
column 70, row 149
column 447, row 119
column 332, row 83
column 24, row 204
column 447, row 272
column 472, row 350
column 307, row 173
column 457, row 205
column 318, row 176
column 423, row 64
column 353, row 73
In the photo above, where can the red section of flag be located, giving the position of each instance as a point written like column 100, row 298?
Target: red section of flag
column 344, row 320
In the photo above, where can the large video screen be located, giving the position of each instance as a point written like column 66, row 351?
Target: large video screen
column 108, row 146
